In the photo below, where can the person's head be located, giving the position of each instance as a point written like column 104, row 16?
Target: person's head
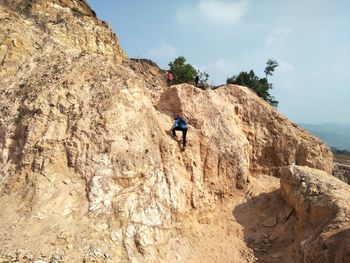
column 176, row 116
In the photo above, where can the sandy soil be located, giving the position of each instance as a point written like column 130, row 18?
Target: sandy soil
column 254, row 229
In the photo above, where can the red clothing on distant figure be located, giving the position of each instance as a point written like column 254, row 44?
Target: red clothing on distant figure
column 169, row 76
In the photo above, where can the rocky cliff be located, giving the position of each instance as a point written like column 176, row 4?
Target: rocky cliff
column 342, row 168
column 322, row 229
column 89, row 171
column 342, row 171
column 29, row 27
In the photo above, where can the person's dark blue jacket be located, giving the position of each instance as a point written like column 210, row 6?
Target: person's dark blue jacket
column 179, row 122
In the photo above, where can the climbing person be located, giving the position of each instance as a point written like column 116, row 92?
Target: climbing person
column 180, row 125
column 169, row 78
column 196, row 80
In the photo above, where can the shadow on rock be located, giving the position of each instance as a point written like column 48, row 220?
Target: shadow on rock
column 268, row 227
column 170, row 103
column 177, row 139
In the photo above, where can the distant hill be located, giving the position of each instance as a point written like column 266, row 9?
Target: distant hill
column 90, row 173
column 335, row 135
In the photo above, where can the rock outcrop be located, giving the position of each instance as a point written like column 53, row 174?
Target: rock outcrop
column 342, row 172
column 321, row 202
column 30, row 26
column 341, row 168
column 88, row 170
column 274, row 141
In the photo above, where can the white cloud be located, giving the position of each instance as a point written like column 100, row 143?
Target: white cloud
column 221, row 65
column 277, row 35
column 219, row 70
column 222, row 69
column 285, row 66
column 164, row 52
column 218, row 12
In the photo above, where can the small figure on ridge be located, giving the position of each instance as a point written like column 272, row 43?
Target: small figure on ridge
column 196, row 80
column 169, row 78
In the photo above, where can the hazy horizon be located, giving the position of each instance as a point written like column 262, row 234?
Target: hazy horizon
column 333, row 134
column 309, row 39
column 327, row 123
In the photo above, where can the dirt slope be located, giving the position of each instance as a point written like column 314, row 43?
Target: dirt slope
column 341, row 168
column 89, row 173
column 322, row 229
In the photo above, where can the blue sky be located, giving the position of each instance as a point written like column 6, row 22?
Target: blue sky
column 310, row 40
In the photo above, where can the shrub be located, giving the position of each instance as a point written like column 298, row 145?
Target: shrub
column 182, row 72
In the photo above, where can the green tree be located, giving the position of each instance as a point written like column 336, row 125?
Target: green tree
column 203, row 79
column 261, row 86
column 271, row 64
column 182, row 72
column 337, row 151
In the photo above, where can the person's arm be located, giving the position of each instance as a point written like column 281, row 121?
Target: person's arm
column 176, row 123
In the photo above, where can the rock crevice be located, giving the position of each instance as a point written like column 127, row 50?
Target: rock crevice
column 86, row 155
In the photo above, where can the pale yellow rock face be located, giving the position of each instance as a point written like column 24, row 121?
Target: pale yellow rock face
column 88, row 169
column 275, row 141
column 28, row 27
column 322, row 205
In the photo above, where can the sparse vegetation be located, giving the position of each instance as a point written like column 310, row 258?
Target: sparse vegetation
column 203, row 79
column 22, row 114
column 182, row 71
column 342, row 152
column 145, row 60
column 60, row 18
column 260, row 86
column 56, row 69
column 185, row 73
column 76, row 12
column 271, row 64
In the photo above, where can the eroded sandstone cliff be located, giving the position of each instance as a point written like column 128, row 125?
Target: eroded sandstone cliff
column 88, row 168
column 342, row 168
column 29, row 26
column 321, row 202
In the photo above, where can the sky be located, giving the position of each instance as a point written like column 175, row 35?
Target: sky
column 310, row 39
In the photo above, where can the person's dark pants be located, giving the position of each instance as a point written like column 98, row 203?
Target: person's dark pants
column 184, row 132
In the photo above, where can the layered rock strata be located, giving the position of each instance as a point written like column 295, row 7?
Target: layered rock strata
column 88, row 170
column 342, row 172
column 321, row 202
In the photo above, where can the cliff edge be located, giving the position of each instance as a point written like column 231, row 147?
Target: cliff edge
column 89, row 171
